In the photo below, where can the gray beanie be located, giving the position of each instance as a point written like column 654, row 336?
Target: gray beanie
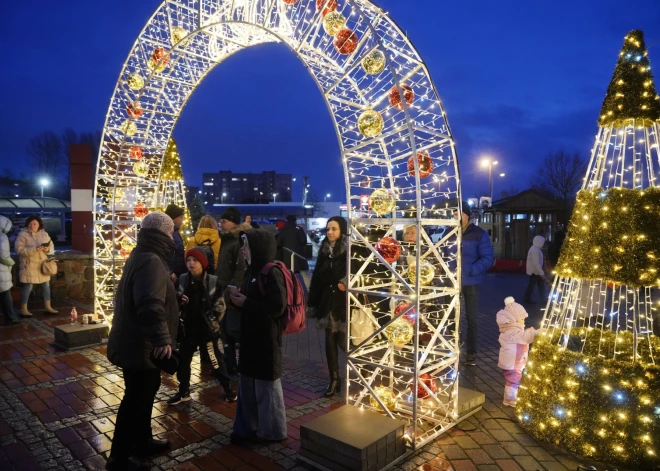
column 158, row 220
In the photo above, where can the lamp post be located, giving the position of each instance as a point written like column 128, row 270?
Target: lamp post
column 326, row 197
column 44, row 182
column 222, row 200
column 490, row 164
column 274, row 197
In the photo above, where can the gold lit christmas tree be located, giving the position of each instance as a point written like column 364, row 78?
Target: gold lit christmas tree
column 592, row 384
column 171, row 189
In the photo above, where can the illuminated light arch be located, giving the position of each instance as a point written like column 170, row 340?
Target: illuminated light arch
column 385, row 110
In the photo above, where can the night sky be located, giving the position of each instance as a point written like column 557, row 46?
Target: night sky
column 519, row 79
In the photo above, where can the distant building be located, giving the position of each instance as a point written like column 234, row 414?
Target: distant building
column 15, row 188
column 227, row 187
column 191, row 192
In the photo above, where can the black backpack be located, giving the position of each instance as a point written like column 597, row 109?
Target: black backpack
column 206, row 248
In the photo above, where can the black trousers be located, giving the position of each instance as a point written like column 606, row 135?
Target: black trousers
column 213, row 348
column 333, row 342
column 535, row 280
column 133, row 427
column 7, row 305
column 471, row 297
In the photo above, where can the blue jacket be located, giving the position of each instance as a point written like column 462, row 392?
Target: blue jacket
column 477, row 255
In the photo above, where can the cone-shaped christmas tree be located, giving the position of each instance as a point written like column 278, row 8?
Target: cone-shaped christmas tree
column 592, row 384
column 171, row 189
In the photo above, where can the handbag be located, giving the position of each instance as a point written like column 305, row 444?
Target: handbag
column 49, row 266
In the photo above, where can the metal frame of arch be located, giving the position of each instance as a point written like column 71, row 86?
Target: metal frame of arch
column 400, row 171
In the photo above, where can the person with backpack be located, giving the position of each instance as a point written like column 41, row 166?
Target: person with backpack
column 207, row 241
column 262, row 301
column 202, row 311
column 327, row 296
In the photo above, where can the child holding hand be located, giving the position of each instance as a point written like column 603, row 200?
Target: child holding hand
column 514, row 346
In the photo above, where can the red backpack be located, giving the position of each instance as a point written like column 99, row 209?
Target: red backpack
column 294, row 314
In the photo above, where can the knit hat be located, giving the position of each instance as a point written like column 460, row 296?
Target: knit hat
column 174, row 211
column 232, row 214
column 159, row 221
column 510, row 305
column 201, row 258
column 466, row 208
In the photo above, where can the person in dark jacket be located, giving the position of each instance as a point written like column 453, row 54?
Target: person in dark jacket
column 293, row 238
column 230, row 269
column 176, row 261
column 145, row 323
column 476, row 259
column 202, row 310
column 260, row 411
column 327, row 295
column 248, row 220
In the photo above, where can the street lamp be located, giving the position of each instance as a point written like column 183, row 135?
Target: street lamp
column 44, row 182
column 326, row 197
column 223, row 198
column 490, row 164
column 274, row 197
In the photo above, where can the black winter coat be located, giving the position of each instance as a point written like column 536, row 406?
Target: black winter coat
column 202, row 315
column 261, row 315
column 325, row 298
column 230, row 266
column 176, row 261
column 146, row 309
column 293, row 238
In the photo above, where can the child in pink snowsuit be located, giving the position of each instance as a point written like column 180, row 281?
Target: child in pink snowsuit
column 514, row 346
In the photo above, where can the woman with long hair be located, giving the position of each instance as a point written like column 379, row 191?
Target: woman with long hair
column 327, row 295
column 33, row 245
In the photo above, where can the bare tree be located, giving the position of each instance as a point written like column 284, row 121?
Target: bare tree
column 45, row 151
column 483, row 192
column 69, row 136
column 512, row 190
column 560, row 175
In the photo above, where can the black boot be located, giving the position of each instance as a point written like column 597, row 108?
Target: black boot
column 333, row 387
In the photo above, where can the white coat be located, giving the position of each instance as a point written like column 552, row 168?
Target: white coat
column 6, row 262
column 514, row 339
column 29, row 258
column 535, row 257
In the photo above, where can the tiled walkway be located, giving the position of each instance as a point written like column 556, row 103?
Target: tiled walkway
column 57, row 409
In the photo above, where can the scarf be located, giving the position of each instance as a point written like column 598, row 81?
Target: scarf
column 155, row 241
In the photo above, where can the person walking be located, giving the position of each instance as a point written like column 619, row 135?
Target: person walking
column 514, row 346
column 248, row 220
column 207, row 238
column 293, row 238
column 535, row 271
column 33, row 245
column 476, row 259
column 260, row 412
column 176, row 262
column 202, row 310
column 144, row 326
column 6, row 262
column 327, row 296
column 230, row 270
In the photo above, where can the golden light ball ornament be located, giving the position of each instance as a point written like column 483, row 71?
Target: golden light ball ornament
column 426, row 273
column 141, row 168
column 135, row 81
column 371, row 123
column 386, row 396
column 134, row 110
column 129, row 128
column 400, row 332
column 424, row 164
column 382, row 201
column 374, row 62
column 140, row 210
column 118, row 194
column 178, row 33
column 127, row 246
column 333, row 23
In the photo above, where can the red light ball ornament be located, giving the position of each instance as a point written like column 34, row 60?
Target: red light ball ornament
column 389, row 249
column 395, row 96
column 427, row 379
column 290, row 2
column 134, row 110
column 408, row 316
column 326, row 6
column 136, row 153
column 140, row 210
column 346, row 41
column 424, row 162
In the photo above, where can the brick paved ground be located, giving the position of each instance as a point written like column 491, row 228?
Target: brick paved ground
column 58, row 409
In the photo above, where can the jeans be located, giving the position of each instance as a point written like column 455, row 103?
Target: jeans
column 333, row 342
column 260, row 410
column 471, row 296
column 133, row 428
column 540, row 283
column 26, row 289
column 7, row 305
column 216, row 355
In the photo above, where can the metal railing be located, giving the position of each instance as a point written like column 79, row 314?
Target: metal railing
column 303, row 273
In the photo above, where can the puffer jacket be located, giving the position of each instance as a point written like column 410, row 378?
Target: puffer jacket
column 202, row 323
column 29, row 258
column 535, row 257
column 514, row 339
column 261, row 314
column 207, row 236
column 6, row 262
column 230, row 266
column 476, row 255
column 146, row 307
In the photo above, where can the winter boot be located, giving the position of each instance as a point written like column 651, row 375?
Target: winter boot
column 510, row 396
column 24, row 311
column 48, row 308
column 333, row 387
